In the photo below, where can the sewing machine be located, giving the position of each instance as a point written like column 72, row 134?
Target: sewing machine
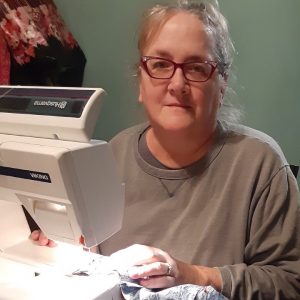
column 70, row 186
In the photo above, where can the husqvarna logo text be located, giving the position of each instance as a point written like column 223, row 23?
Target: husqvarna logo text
column 56, row 104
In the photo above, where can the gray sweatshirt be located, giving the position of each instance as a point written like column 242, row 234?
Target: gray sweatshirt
column 234, row 209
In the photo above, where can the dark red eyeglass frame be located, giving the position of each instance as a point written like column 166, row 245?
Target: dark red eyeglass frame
column 214, row 65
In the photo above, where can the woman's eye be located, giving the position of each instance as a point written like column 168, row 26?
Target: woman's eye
column 197, row 68
column 160, row 65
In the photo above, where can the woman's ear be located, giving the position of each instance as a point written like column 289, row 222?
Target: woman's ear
column 223, row 88
column 140, row 98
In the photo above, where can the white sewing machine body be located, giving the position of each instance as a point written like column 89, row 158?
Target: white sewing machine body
column 67, row 182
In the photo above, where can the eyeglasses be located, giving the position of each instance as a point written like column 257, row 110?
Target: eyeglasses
column 161, row 68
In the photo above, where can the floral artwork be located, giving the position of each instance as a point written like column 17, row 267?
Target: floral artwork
column 25, row 25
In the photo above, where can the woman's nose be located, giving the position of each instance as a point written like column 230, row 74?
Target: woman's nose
column 178, row 84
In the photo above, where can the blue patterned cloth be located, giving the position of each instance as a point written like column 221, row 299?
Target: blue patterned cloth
column 131, row 290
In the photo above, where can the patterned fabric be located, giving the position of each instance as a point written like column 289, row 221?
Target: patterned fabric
column 4, row 61
column 133, row 291
column 42, row 50
column 28, row 25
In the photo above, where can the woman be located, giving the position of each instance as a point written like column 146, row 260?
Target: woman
column 207, row 202
column 217, row 201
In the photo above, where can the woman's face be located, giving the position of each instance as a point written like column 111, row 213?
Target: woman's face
column 177, row 104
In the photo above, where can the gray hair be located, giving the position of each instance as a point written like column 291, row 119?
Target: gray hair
column 216, row 25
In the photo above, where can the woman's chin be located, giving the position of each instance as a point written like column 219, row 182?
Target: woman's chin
column 176, row 125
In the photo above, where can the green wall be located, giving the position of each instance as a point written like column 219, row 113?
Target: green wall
column 267, row 39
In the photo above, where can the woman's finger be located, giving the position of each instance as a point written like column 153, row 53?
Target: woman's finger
column 134, row 255
column 148, row 270
column 35, row 235
column 39, row 237
column 43, row 240
column 51, row 244
column 156, row 282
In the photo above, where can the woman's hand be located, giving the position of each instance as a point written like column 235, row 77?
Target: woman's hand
column 39, row 237
column 155, row 268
